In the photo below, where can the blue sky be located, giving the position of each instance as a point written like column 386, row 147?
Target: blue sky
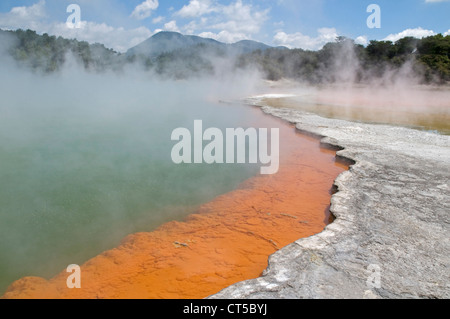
column 307, row 24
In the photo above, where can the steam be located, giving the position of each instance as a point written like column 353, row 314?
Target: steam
column 85, row 158
column 378, row 94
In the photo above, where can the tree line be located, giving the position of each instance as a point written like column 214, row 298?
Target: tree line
column 427, row 59
column 47, row 54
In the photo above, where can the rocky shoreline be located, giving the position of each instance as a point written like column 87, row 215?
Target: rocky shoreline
column 390, row 237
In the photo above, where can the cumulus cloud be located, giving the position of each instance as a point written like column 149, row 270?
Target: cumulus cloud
column 34, row 11
column 299, row 40
column 238, row 17
column 362, row 40
column 158, row 19
column 196, row 8
column 19, row 16
column 171, row 26
column 227, row 23
column 144, row 10
column 119, row 39
column 416, row 33
column 34, row 17
column 224, row 36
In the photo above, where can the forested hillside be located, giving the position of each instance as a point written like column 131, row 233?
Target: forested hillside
column 46, row 53
column 428, row 59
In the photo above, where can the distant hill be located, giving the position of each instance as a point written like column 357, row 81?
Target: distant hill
column 248, row 46
column 167, row 42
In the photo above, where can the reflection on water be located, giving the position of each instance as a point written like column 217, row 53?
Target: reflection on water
column 419, row 108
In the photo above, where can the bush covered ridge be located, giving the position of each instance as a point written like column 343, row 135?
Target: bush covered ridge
column 49, row 53
column 427, row 59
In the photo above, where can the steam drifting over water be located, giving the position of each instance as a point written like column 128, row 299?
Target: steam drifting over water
column 85, row 159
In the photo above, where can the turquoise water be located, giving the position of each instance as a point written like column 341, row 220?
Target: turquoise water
column 85, row 161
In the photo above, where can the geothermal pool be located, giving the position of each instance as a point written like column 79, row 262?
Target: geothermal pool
column 84, row 163
column 81, row 172
column 419, row 107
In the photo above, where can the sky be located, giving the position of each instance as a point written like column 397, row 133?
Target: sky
column 306, row 24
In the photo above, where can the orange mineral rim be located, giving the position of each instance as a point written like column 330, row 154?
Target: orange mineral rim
column 227, row 241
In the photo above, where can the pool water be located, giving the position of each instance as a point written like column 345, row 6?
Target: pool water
column 86, row 161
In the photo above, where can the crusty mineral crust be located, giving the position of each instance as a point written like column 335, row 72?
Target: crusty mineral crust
column 392, row 210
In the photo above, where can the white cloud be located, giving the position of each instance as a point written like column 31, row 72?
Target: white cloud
column 171, row 26
column 362, row 40
column 433, row 1
column 158, row 20
column 299, row 40
column 240, row 18
column 33, row 17
column 447, row 33
column 119, row 39
column 18, row 17
column 416, row 33
column 34, row 11
column 196, row 8
column 144, row 10
column 224, row 36
column 227, row 23
column 191, row 27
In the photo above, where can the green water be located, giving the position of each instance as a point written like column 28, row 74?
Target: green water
column 86, row 161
